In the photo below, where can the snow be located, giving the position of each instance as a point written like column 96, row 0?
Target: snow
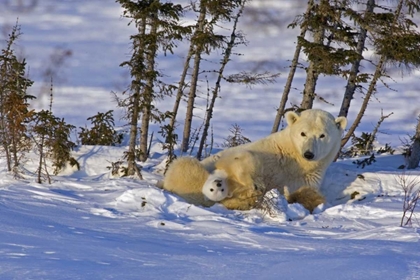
column 89, row 224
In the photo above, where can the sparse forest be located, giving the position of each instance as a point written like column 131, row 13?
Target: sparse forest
column 334, row 40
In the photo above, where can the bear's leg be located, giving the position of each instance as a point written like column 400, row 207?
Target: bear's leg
column 309, row 197
column 244, row 191
column 244, row 200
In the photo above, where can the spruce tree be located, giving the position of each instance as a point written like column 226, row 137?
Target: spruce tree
column 52, row 137
column 396, row 41
column 102, row 131
column 157, row 26
column 332, row 49
column 355, row 77
column 235, row 38
column 203, row 41
column 303, row 29
column 14, row 106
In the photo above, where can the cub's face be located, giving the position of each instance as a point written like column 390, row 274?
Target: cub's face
column 215, row 188
column 315, row 133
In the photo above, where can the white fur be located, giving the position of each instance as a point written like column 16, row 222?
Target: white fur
column 215, row 188
column 185, row 177
column 281, row 156
column 297, row 156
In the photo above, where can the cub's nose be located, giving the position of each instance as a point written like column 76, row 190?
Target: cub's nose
column 308, row 155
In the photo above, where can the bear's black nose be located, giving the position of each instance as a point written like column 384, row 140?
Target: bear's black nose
column 308, row 155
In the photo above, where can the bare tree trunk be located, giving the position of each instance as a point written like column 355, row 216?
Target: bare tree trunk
column 135, row 103
column 351, row 83
column 194, row 80
column 372, row 85
column 148, row 93
column 190, row 104
column 8, row 159
column 369, row 142
column 144, row 134
column 370, row 91
column 5, row 136
column 312, row 75
column 181, row 85
column 132, row 168
column 171, row 136
column 216, row 89
column 14, row 149
column 131, row 153
column 41, row 157
column 414, row 158
column 46, row 171
column 293, row 66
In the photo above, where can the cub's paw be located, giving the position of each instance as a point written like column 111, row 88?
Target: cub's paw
column 216, row 188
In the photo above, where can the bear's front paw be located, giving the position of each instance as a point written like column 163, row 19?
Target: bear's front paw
column 308, row 197
column 243, row 201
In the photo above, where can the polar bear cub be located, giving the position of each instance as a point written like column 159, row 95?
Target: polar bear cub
column 216, row 188
column 188, row 178
column 235, row 184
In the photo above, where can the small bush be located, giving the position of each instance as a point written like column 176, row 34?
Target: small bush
column 73, row 162
column 118, row 169
column 102, row 131
column 411, row 188
column 367, row 161
column 363, row 146
column 54, row 138
column 386, row 149
column 236, row 138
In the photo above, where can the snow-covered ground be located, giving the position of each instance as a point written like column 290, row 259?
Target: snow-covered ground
column 88, row 225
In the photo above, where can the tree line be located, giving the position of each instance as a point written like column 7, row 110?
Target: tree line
column 334, row 39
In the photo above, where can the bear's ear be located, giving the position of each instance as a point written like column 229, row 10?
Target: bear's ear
column 341, row 122
column 291, row 117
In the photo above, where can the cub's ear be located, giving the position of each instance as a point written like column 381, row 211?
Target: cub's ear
column 291, row 117
column 341, row 122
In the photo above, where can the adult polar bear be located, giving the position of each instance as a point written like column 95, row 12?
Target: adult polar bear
column 295, row 157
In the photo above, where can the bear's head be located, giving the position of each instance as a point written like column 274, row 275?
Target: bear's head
column 315, row 134
column 215, row 188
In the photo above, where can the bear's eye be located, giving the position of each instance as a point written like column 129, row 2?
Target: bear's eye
column 302, row 134
column 322, row 136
